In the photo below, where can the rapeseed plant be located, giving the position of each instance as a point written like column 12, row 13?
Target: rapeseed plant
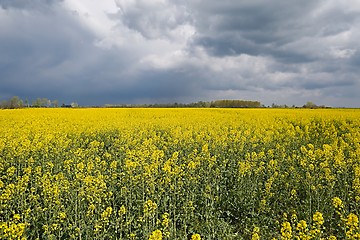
column 179, row 173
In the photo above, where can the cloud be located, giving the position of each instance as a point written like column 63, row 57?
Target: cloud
column 39, row 52
column 28, row 5
column 133, row 51
column 277, row 29
column 154, row 19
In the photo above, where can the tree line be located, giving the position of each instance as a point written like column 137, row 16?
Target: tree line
column 200, row 104
column 16, row 102
column 310, row 105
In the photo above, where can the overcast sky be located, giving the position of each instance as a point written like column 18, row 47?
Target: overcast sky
column 163, row 51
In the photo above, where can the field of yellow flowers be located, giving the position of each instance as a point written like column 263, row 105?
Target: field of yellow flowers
column 179, row 174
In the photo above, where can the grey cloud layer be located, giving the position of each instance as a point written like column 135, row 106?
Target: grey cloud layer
column 26, row 4
column 153, row 19
column 275, row 29
column 177, row 50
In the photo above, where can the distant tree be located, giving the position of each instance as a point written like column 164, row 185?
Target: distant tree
column 236, row 104
column 310, row 105
column 36, row 103
column 4, row 104
column 15, row 102
column 55, row 103
column 26, row 102
column 12, row 103
column 44, row 102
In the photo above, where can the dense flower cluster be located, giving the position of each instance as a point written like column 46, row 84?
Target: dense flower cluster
column 179, row 174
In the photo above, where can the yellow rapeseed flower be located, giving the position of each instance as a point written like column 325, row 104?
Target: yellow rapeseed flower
column 149, row 207
column 318, row 218
column 195, row 236
column 106, row 213
column 156, row 235
column 352, row 220
column 122, row 210
column 301, row 226
column 255, row 233
column 286, row 231
column 17, row 217
column 337, row 203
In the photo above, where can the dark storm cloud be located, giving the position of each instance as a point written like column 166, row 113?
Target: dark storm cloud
column 152, row 87
column 264, row 25
column 268, row 28
column 147, row 51
column 39, row 53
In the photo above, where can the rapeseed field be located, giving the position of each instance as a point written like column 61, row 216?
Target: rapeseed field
column 179, row 174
